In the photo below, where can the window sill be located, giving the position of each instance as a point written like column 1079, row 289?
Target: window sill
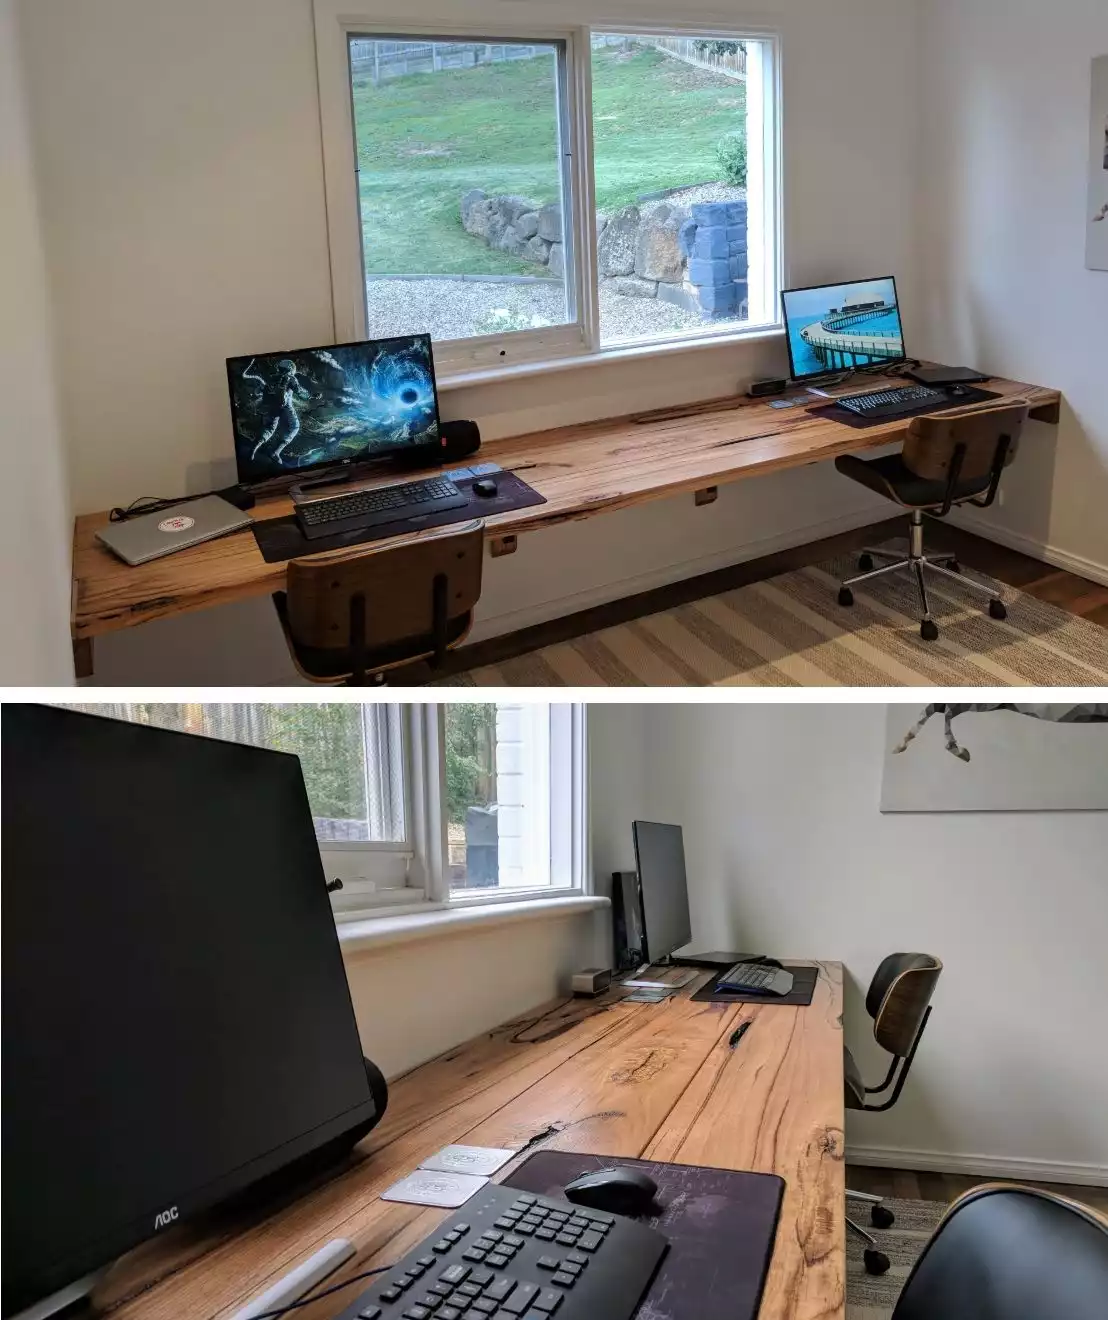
column 461, row 379
column 409, row 927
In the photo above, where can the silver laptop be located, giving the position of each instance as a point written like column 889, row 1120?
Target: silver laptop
column 155, row 534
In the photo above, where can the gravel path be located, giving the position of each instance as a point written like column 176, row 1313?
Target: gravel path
column 455, row 309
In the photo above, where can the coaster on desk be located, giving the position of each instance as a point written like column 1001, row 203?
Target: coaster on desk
column 479, row 1161
column 447, row 1190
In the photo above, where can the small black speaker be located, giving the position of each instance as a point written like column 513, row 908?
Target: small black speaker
column 459, row 440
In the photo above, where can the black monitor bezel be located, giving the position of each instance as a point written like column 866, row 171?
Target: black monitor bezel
column 419, row 455
column 809, row 288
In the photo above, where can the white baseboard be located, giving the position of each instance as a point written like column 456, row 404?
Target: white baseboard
column 984, row 1166
column 991, row 531
column 510, row 621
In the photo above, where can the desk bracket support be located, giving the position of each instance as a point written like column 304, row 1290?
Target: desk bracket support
column 82, row 657
column 499, row 546
column 708, row 495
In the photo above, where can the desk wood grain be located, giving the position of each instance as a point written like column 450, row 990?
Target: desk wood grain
column 657, row 1081
column 581, row 470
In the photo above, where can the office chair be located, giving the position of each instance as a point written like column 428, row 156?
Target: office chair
column 899, row 1001
column 948, row 460
column 351, row 618
column 1011, row 1253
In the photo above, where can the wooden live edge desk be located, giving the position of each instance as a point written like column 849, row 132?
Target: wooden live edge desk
column 581, row 470
column 656, row 1081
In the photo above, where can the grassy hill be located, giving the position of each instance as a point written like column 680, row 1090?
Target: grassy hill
column 425, row 139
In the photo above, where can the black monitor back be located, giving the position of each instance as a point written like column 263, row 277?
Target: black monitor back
column 660, row 859
column 176, row 1017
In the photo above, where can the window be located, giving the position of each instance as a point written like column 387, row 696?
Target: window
column 420, row 803
column 528, row 195
column 509, row 798
column 460, row 186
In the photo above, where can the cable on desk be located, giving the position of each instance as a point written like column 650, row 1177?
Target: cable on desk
column 337, row 1287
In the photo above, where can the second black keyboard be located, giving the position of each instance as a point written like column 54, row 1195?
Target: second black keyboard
column 377, row 506
column 892, row 403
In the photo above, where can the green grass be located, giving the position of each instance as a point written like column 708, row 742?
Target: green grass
column 426, row 139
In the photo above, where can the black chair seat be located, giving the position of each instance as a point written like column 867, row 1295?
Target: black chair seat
column 888, row 476
column 1011, row 1253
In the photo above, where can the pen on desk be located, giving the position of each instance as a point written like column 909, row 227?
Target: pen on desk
column 739, row 1032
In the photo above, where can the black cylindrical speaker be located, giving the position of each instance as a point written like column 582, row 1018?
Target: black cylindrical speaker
column 459, row 440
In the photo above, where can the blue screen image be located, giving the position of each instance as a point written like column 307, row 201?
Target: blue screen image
column 317, row 406
column 842, row 326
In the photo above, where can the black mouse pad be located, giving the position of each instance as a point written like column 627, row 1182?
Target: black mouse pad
column 281, row 538
column 720, row 1225
column 804, row 987
column 834, row 413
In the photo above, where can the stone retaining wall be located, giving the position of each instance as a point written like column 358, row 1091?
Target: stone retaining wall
column 694, row 257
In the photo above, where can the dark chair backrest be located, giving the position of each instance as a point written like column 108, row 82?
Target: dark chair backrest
column 898, row 999
column 1011, row 1253
column 393, row 604
column 932, row 443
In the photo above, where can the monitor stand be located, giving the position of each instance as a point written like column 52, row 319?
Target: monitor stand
column 713, row 961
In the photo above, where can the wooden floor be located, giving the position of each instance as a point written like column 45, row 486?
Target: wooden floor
column 1067, row 591
column 946, row 1187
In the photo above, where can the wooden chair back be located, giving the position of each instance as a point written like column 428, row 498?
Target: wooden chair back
column 898, row 998
column 932, row 441
column 395, row 603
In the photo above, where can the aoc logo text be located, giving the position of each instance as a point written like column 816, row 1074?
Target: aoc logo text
column 165, row 1218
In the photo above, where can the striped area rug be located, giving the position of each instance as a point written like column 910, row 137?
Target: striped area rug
column 791, row 632
column 874, row 1296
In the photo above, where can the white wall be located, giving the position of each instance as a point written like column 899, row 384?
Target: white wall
column 408, row 1013
column 34, row 528
column 1004, row 192
column 787, row 850
column 183, row 204
column 483, row 978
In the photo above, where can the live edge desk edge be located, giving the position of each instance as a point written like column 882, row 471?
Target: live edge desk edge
column 651, row 1081
column 582, row 471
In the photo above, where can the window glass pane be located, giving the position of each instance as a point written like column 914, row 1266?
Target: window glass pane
column 498, row 796
column 670, row 147
column 352, row 756
column 460, row 186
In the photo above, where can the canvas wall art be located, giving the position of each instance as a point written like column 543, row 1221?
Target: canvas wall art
column 1098, row 169
column 1012, row 757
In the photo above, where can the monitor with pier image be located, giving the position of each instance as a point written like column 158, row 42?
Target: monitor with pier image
column 840, row 327
column 340, row 404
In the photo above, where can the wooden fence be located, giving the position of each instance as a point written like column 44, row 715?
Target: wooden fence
column 383, row 60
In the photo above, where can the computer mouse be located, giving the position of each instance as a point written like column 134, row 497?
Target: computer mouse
column 485, row 488
column 958, row 391
column 620, row 1191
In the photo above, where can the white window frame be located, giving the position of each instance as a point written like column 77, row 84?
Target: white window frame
column 488, row 357
column 394, row 879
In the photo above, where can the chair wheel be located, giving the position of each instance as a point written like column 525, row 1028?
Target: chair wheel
column 865, row 564
column 882, row 1217
column 846, row 598
column 929, row 630
column 997, row 609
column 876, row 1261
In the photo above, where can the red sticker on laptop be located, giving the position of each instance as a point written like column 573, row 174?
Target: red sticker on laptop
column 178, row 524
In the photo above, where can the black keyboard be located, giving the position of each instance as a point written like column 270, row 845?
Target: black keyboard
column 381, row 504
column 511, row 1256
column 892, row 403
column 757, row 978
